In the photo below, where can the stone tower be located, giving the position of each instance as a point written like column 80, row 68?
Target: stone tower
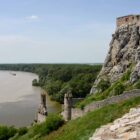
column 67, row 106
column 42, row 110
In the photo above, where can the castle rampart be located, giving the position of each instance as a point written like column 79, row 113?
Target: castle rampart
column 128, row 20
column 77, row 112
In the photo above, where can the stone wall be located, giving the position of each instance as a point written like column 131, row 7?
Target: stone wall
column 126, row 20
column 76, row 100
column 76, row 112
column 40, row 118
column 42, row 110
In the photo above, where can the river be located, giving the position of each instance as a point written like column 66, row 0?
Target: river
column 19, row 100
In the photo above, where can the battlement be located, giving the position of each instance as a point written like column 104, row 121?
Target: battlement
column 128, row 20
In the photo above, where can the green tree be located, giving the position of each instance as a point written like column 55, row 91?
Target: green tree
column 35, row 82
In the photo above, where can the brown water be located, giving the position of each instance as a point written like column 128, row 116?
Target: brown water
column 19, row 100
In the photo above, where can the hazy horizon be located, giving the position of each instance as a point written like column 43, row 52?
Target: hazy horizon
column 34, row 31
column 49, row 63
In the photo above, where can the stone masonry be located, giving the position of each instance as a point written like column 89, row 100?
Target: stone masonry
column 127, row 20
column 67, row 106
column 77, row 112
column 42, row 110
column 125, row 128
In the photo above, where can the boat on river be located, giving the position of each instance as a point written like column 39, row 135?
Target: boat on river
column 14, row 74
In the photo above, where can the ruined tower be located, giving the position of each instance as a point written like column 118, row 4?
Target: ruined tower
column 67, row 105
column 42, row 110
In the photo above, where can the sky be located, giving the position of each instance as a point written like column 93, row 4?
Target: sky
column 59, row 31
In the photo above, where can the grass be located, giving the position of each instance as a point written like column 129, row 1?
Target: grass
column 53, row 122
column 24, row 137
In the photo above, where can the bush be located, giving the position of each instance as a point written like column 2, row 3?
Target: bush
column 82, row 106
column 137, row 85
column 103, row 85
column 53, row 122
column 35, row 82
column 118, row 89
column 22, row 131
column 7, row 132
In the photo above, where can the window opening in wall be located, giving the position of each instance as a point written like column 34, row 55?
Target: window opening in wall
column 126, row 19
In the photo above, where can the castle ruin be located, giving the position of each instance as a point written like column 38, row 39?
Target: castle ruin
column 128, row 20
column 67, row 106
column 42, row 110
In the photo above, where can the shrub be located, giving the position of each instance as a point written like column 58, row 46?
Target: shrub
column 7, row 132
column 53, row 122
column 35, row 82
column 22, row 131
column 118, row 89
column 103, row 85
column 82, row 106
column 137, row 85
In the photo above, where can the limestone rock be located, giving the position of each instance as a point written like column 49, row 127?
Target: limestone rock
column 124, row 52
column 135, row 74
column 125, row 128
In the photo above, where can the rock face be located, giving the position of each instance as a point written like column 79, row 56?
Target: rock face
column 125, row 128
column 124, row 52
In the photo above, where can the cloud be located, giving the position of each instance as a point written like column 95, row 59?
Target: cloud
column 32, row 17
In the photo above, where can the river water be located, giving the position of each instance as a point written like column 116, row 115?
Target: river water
column 19, row 100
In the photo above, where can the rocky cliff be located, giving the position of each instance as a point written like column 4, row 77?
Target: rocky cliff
column 124, row 53
column 125, row 128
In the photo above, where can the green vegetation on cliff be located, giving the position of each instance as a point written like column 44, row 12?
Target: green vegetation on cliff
column 106, row 89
